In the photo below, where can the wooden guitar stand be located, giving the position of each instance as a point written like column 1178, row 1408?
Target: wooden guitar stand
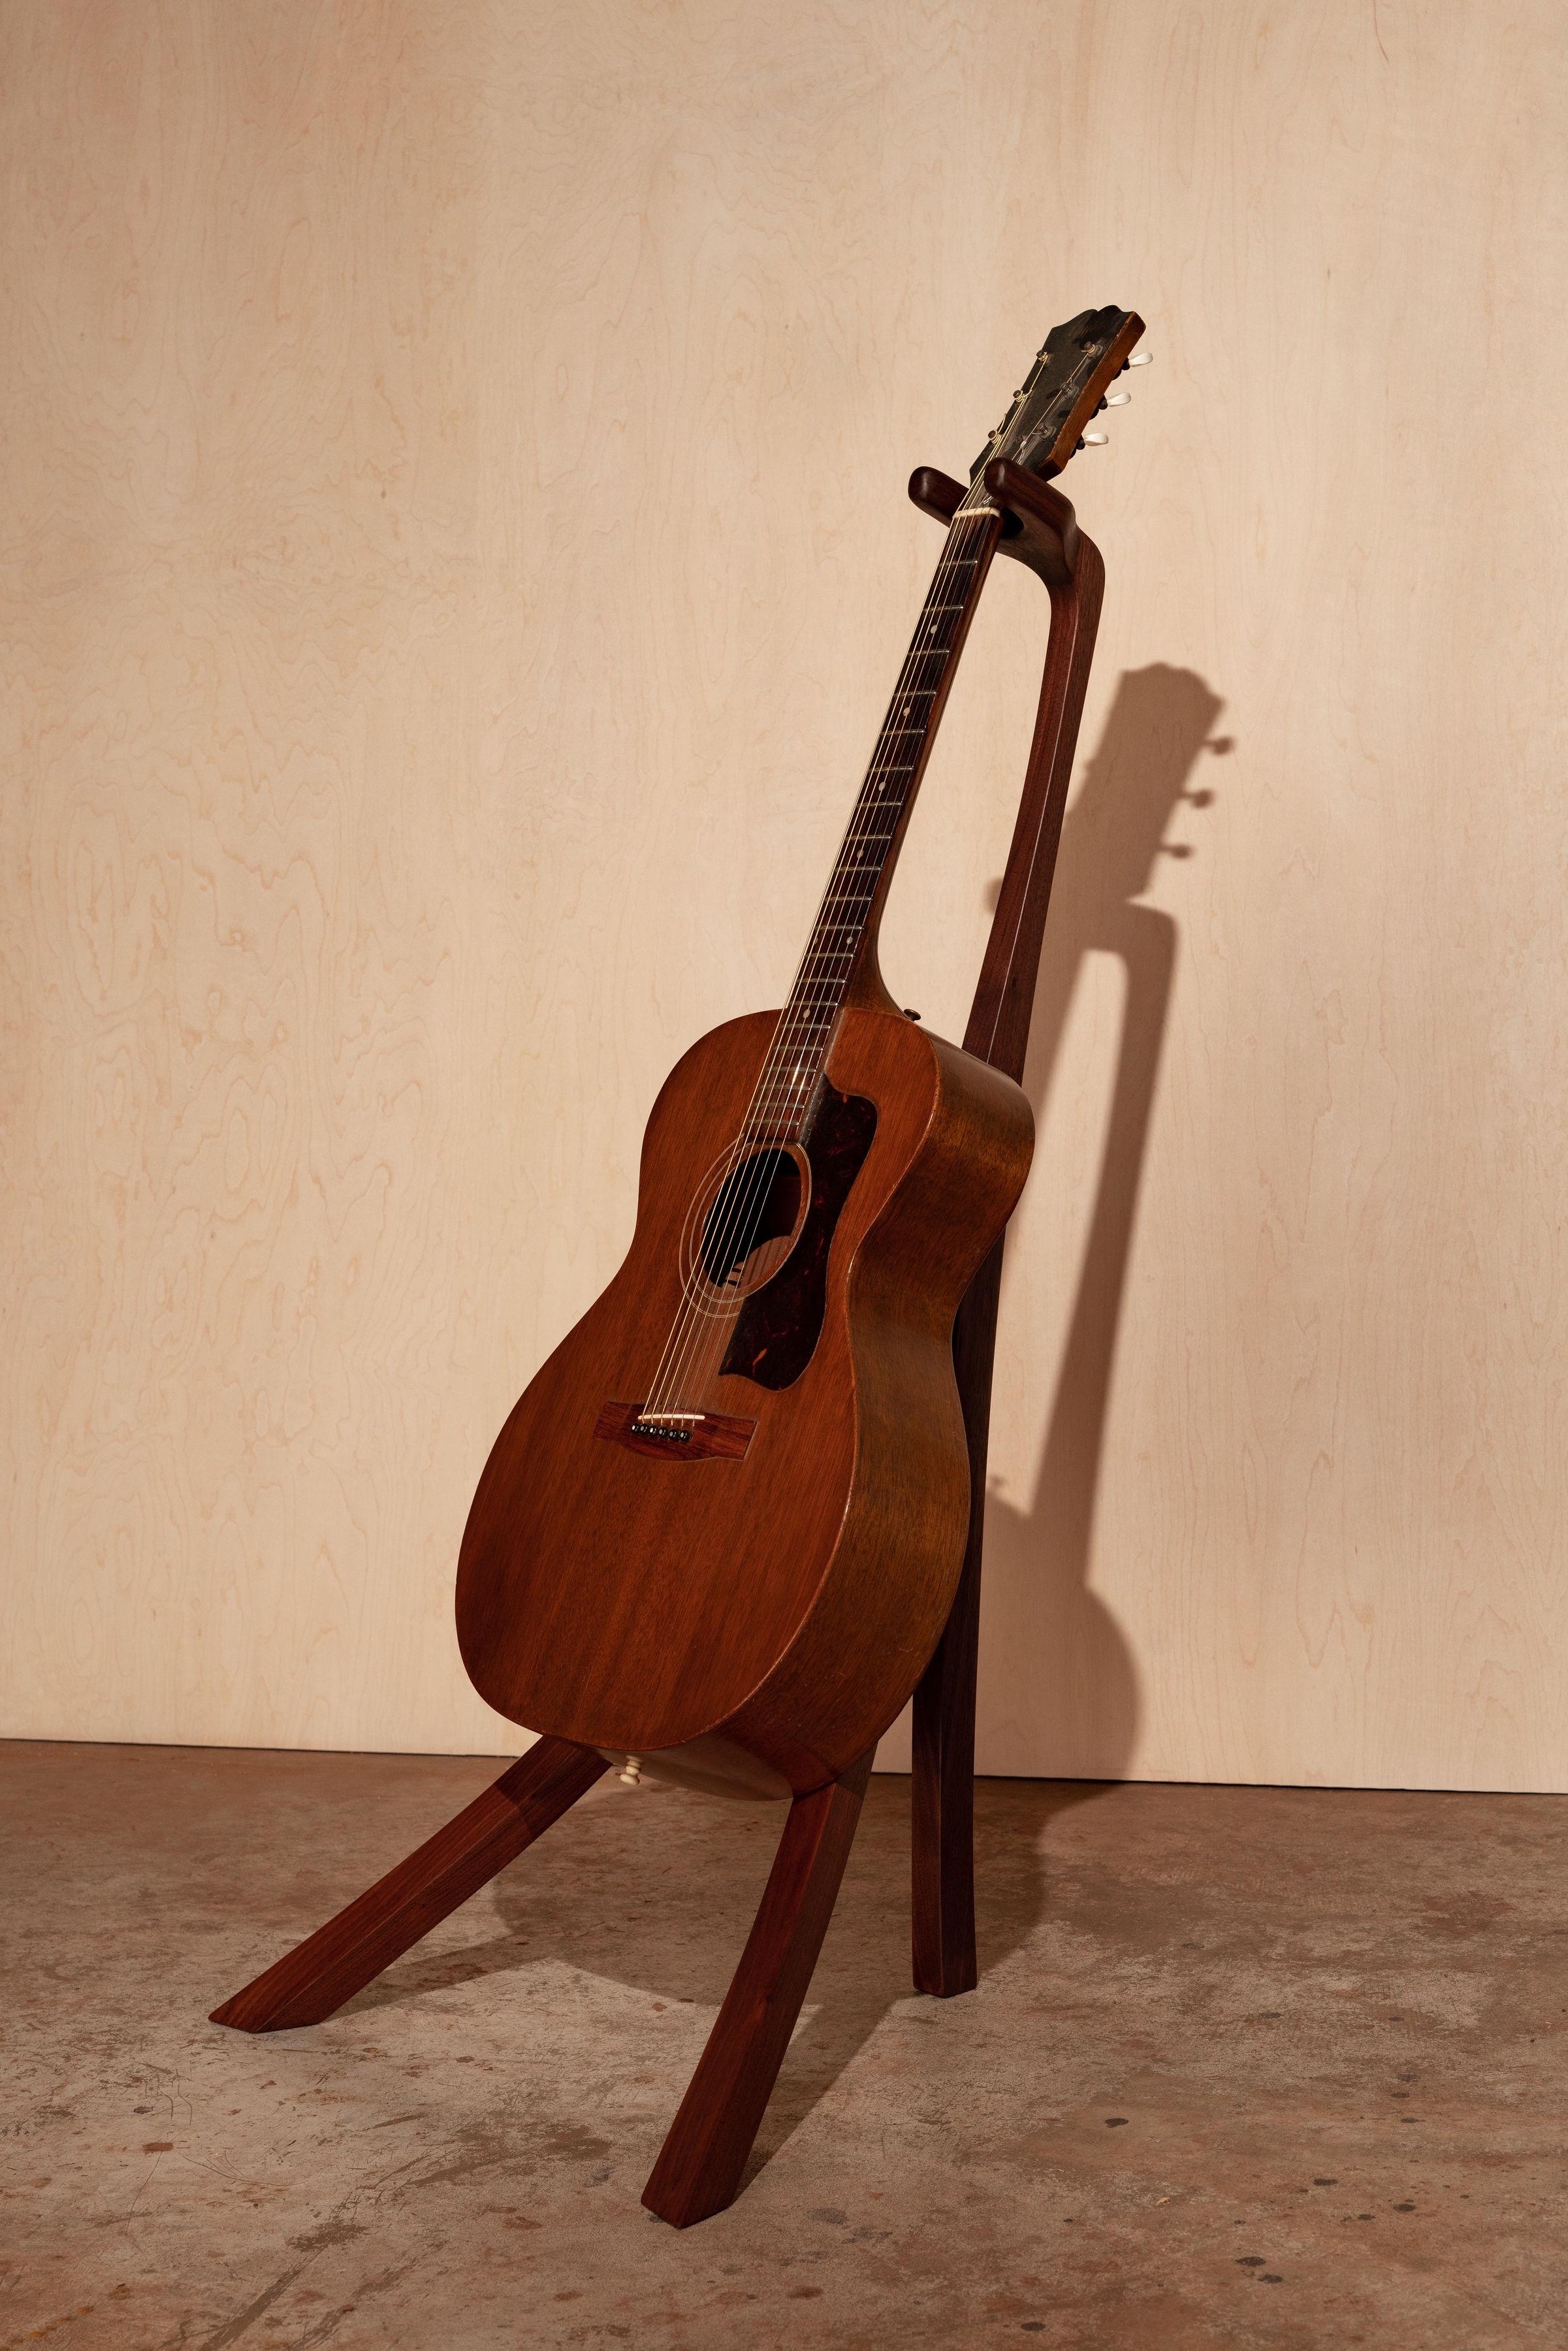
column 699, row 2168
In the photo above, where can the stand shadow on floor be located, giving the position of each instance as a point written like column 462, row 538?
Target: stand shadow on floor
column 658, row 1890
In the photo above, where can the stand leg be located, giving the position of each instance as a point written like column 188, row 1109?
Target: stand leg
column 700, row 2163
column 998, row 1032
column 341, row 1957
column 942, row 1790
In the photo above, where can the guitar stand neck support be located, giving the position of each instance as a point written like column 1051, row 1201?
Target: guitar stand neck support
column 1039, row 527
column 700, row 2166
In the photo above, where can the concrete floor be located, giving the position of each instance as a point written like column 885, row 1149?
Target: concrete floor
column 1251, row 2066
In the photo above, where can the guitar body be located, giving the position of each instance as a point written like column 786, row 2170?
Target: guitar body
column 749, row 1605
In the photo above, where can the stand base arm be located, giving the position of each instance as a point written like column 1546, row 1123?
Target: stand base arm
column 339, row 1958
column 700, row 2166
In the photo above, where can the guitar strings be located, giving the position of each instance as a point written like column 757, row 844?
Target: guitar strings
column 790, row 1035
column 803, row 1013
column 780, row 1093
column 792, row 1041
column 800, row 1015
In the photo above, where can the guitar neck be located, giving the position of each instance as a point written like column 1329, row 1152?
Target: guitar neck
column 841, row 949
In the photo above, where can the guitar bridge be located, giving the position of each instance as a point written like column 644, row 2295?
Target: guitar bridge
column 678, row 1436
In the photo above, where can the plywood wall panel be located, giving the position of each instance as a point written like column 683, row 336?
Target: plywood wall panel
column 453, row 555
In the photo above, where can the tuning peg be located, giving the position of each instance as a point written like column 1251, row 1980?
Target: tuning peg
column 1095, row 440
column 1141, row 359
column 1116, row 399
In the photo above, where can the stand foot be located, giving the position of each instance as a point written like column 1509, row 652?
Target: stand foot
column 339, row 1958
column 700, row 2163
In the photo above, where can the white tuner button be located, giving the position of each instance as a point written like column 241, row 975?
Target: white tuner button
column 1095, row 440
column 1117, row 398
column 1141, row 359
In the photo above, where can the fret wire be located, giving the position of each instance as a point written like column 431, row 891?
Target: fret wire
column 802, row 1036
column 794, row 1066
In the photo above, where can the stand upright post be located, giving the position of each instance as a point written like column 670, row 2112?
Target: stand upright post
column 1040, row 531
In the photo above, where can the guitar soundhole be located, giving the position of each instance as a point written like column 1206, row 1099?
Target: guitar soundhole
column 748, row 1231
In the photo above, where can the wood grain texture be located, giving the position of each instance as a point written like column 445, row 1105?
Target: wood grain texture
column 701, row 2161
column 310, row 1982
column 454, row 556
column 782, row 1603
column 1042, row 530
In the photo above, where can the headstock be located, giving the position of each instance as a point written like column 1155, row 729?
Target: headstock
column 1067, row 386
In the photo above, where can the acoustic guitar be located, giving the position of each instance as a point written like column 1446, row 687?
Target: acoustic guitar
column 719, row 1534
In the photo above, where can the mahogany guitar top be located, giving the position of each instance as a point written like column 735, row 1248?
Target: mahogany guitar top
column 637, row 1595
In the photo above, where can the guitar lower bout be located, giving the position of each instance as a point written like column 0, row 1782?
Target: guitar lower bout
column 654, row 1557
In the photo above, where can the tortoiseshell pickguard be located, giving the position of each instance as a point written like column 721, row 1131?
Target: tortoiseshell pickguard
column 777, row 1328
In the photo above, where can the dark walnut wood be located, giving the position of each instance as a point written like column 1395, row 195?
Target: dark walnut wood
column 942, row 1741
column 780, row 1607
column 998, row 1029
column 943, row 1747
column 700, row 2163
column 1039, row 527
column 339, row 1958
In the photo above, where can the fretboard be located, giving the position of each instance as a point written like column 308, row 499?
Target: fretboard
column 788, row 1083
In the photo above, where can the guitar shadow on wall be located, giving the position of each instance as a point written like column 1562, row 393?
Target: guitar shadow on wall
column 1042, row 1627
